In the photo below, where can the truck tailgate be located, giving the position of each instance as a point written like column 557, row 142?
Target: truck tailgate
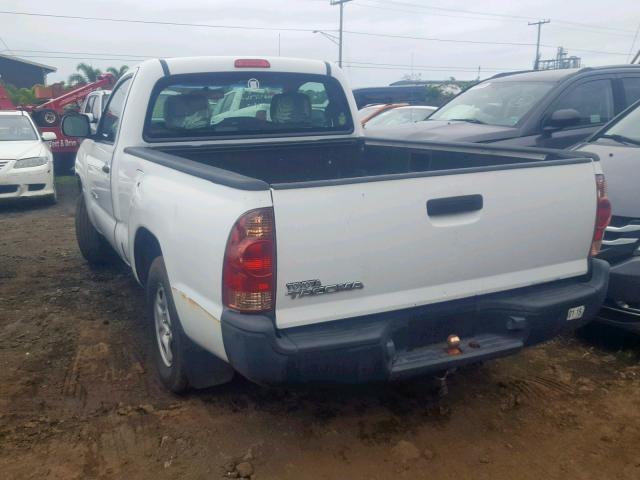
column 395, row 243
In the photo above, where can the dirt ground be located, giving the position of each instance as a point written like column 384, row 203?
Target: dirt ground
column 78, row 398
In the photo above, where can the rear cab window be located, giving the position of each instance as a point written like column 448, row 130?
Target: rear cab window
column 248, row 103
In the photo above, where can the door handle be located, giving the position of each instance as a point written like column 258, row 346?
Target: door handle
column 106, row 168
column 453, row 205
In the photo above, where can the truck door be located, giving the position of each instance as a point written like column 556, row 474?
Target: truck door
column 99, row 159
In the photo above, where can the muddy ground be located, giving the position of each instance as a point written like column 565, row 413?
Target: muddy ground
column 78, row 398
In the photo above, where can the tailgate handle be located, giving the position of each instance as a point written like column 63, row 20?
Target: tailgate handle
column 453, row 205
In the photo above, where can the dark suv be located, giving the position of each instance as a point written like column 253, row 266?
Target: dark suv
column 551, row 108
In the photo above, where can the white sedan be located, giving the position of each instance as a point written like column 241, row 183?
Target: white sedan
column 26, row 162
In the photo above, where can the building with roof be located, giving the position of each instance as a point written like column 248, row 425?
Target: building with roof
column 23, row 73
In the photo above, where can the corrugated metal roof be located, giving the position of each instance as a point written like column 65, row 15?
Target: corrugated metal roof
column 21, row 60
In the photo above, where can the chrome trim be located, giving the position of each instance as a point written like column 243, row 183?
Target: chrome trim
column 634, row 312
column 625, row 229
column 620, row 241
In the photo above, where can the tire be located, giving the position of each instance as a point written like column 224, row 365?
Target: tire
column 93, row 246
column 47, row 118
column 180, row 363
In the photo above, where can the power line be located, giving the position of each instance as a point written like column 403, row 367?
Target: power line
column 240, row 27
column 493, row 14
column 78, row 58
column 422, row 12
column 633, row 43
column 476, row 42
column 5, row 45
column 589, row 28
column 91, row 53
column 157, row 22
column 72, row 55
column 431, row 67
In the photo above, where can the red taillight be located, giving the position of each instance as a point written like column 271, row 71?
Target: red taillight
column 603, row 214
column 248, row 282
column 251, row 63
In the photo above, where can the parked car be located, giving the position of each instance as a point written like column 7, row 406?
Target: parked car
column 549, row 109
column 618, row 145
column 370, row 111
column 400, row 116
column 93, row 106
column 410, row 94
column 393, row 259
column 26, row 162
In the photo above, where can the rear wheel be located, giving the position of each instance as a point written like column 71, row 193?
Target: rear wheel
column 93, row 246
column 180, row 363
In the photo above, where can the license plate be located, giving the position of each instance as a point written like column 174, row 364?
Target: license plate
column 575, row 313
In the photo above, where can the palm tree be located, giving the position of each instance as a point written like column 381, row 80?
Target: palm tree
column 86, row 74
column 118, row 72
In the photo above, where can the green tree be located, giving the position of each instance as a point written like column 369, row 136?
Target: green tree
column 20, row 96
column 85, row 74
column 118, row 72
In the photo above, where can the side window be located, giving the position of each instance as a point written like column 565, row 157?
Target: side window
column 631, row 87
column 111, row 117
column 592, row 100
column 89, row 106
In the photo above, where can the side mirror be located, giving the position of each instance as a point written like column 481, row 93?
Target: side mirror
column 76, row 126
column 49, row 136
column 566, row 117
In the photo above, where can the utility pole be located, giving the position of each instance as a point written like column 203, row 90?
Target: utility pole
column 539, row 24
column 341, row 3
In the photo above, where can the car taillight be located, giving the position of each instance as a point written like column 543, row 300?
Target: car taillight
column 248, row 281
column 251, row 63
column 603, row 214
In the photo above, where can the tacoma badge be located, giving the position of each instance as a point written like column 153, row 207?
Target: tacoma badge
column 315, row 287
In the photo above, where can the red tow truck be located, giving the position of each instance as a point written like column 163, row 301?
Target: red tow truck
column 48, row 114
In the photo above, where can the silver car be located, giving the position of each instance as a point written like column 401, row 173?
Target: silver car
column 618, row 146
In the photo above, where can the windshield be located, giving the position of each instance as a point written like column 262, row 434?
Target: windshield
column 626, row 128
column 399, row 116
column 16, row 128
column 246, row 103
column 501, row 103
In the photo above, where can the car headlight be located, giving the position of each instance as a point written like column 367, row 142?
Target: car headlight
column 31, row 162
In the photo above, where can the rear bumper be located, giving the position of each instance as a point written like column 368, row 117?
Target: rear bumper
column 409, row 342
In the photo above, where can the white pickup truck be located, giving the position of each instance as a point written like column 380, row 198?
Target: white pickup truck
column 288, row 248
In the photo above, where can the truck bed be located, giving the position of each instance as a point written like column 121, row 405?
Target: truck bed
column 322, row 162
column 410, row 223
